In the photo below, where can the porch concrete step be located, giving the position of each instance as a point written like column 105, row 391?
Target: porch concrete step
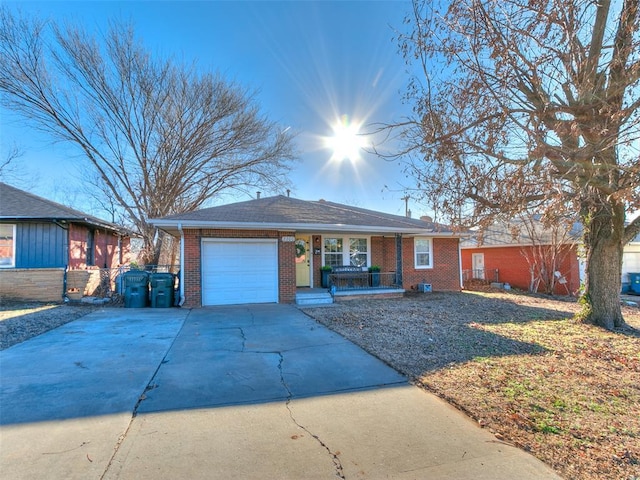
column 321, row 298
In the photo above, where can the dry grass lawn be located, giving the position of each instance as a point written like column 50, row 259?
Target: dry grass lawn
column 566, row 392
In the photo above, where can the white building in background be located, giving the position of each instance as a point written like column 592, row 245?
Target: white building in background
column 630, row 261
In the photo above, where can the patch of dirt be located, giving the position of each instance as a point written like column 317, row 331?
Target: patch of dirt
column 20, row 321
column 520, row 366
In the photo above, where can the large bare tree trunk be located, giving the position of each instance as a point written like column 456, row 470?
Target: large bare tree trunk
column 604, row 243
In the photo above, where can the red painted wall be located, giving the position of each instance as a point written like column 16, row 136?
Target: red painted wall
column 513, row 267
column 107, row 251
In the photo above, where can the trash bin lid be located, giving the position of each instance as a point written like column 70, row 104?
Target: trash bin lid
column 135, row 277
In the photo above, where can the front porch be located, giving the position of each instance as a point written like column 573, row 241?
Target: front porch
column 306, row 296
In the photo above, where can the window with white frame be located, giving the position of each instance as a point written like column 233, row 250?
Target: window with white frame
column 423, row 252
column 358, row 252
column 336, row 254
column 7, row 245
column 333, row 252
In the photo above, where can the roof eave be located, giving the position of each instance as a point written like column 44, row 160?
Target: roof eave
column 174, row 226
column 79, row 220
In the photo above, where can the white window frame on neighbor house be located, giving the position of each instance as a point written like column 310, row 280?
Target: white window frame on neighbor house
column 12, row 259
column 423, row 241
column 346, row 248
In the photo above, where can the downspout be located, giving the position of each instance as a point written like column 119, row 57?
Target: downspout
column 182, row 298
column 460, row 263
column 120, row 257
column 67, row 265
column 399, row 272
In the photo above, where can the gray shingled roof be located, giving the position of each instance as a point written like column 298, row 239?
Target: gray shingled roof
column 285, row 212
column 514, row 233
column 16, row 204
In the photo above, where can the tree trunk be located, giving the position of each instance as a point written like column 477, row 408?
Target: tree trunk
column 603, row 241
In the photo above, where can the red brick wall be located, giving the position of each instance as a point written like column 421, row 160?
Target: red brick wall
column 445, row 274
column 513, row 267
column 192, row 286
column 316, row 243
column 286, row 269
column 192, row 261
column 383, row 253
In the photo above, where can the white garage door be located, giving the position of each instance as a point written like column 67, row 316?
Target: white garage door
column 239, row 271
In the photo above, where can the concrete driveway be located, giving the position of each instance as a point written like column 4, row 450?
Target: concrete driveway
column 247, row 392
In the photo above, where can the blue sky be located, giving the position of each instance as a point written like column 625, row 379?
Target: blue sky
column 311, row 63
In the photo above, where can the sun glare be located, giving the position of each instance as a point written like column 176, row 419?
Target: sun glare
column 346, row 142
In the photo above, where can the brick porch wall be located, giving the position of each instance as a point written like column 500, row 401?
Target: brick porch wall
column 445, row 274
column 383, row 253
column 193, row 264
column 316, row 244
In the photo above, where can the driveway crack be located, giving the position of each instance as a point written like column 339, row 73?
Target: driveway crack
column 334, row 456
column 244, row 338
column 150, row 386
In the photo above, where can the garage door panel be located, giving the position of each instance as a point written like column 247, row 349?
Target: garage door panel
column 239, row 271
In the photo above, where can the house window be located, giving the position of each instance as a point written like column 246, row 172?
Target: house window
column 358, row 252
column 423, row 248
column 335, row 253
column 91, row 247
column 7, row 246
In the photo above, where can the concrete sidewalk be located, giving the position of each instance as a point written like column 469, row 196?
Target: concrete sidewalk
column 245, row 392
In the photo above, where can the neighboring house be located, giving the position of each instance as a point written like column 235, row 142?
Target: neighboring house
column 265, row 250
column 41, row 240
column 630, row 261
column 525, row 255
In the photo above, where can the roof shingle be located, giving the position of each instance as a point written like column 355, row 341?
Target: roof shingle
column 16, row 204
column 285, row 211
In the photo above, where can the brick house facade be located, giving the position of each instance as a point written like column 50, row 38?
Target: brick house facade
column 514, row 251
column 513, row 268
column 279, row 222
column 192, row 261
column 42, row 241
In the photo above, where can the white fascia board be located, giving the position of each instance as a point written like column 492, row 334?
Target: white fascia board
column 298, row 227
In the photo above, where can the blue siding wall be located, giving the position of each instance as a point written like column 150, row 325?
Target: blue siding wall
column 40, row 245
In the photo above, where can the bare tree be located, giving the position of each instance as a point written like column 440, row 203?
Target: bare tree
column 549, row 242
column 9, row 169
column 164, row 138
column 531, row 105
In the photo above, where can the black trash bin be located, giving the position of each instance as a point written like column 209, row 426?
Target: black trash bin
column 162, row 286
column 136, row 289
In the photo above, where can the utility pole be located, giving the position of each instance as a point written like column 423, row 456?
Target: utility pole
column 406, row 205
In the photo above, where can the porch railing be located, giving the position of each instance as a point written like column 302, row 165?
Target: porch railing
column 487, row 274
column 363, row 281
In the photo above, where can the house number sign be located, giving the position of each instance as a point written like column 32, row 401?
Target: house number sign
column 288, row 239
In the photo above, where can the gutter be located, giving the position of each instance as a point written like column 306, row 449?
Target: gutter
column 460, row 263
column 302, row 227
column 182, row 298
